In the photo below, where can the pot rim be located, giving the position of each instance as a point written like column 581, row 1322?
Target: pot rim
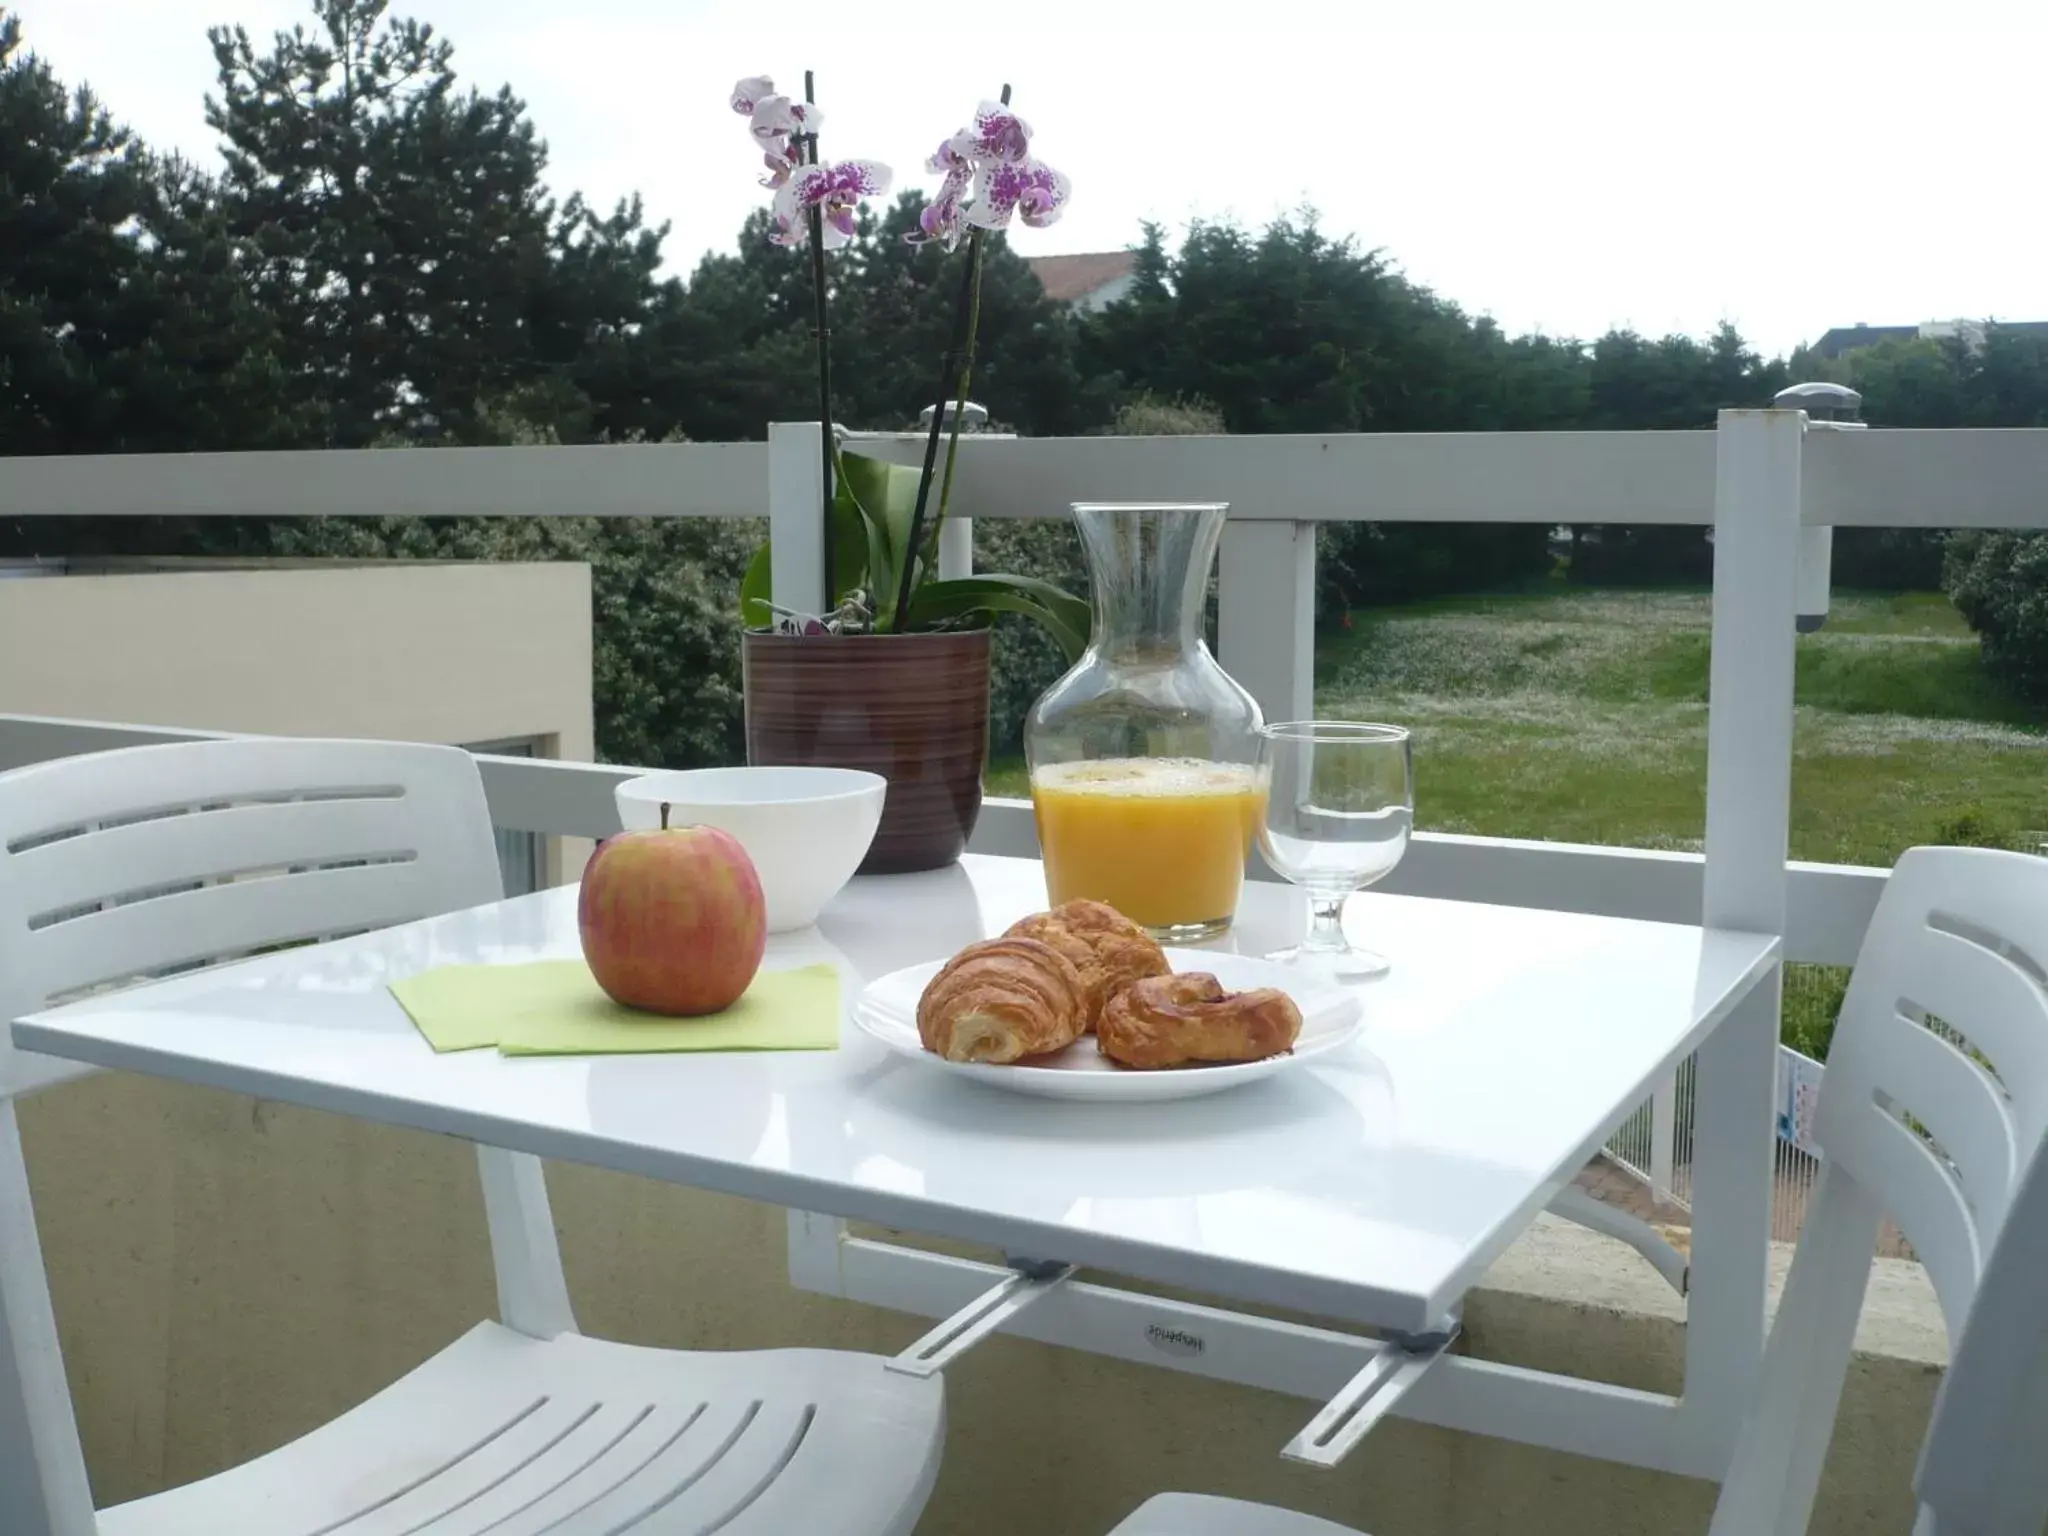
column 943, row 636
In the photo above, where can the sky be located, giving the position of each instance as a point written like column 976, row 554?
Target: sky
column 1568, row 168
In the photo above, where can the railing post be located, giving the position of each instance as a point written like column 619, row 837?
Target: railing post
column 1663, row 1138
column 1833, row 408
column 956, row 547
column 1749, row 805
column 796, row 525
column 1266, row 613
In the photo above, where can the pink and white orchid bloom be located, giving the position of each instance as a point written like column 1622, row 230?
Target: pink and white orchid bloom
column 776, row 119
column 941, row 219
column 749, row 91
column 779, row 126
column 835, row 190
column 1030, row 189
column 999, row 136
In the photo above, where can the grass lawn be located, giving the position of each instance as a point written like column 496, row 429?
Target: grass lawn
column 1581, row 716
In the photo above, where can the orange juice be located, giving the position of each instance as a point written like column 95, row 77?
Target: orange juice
column 1163, row 840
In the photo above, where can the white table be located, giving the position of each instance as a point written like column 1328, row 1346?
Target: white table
column 1374, row 1185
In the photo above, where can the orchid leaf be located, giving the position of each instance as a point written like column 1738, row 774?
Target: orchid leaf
column 850, row 554
column 1063, row 616
column 885, row 497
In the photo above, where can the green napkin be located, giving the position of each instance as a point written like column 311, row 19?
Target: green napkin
column 556, row 1008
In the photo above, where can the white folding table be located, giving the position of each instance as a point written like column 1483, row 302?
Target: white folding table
column 1371, row 1187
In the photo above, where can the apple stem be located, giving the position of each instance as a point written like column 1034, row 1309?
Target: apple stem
column 664, row 815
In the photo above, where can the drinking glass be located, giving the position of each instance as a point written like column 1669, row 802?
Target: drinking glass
column 1340, row 799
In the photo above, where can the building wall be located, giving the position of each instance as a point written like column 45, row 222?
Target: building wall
column 1101, row 298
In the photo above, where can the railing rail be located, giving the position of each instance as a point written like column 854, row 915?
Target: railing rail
column 1880, row 478
column 1831, row 903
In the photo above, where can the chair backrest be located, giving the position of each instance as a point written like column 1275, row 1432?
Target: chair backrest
column 121, row 866
column 1932, row 1109
column 1984, row 1465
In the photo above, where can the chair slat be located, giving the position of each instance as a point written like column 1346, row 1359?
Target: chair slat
column 1989, row 1000
column 1962, row 1107
column 105, row 865
column 187, row 927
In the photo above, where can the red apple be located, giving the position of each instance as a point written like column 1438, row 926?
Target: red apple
column 672, row 921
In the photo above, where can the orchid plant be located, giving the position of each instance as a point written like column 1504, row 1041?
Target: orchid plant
column 881, row 530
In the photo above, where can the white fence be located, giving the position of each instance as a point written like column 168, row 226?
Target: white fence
column 1761, row 479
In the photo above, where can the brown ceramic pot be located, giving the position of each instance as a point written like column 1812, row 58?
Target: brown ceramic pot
column 913, row 708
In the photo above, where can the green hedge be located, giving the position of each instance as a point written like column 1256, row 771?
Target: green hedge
column 1999, row 581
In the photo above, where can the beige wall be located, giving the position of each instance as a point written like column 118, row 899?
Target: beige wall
column 451, row 653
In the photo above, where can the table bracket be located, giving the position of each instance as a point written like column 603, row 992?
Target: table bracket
column 1401, row 1361
column 1030, row 1281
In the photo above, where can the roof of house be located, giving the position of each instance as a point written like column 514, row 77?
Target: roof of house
column 1846, row 338
column 1067, row 278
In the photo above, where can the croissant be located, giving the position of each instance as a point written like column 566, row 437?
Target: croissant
column 1173, row 1021
column 1107, row 948
column 1002, row 999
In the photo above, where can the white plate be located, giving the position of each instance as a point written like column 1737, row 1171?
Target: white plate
column 887, row 1010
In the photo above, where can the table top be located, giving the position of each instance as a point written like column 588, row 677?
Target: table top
column 1375, row 1184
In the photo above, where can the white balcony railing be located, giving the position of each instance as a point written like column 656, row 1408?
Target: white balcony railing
column 1759, row 479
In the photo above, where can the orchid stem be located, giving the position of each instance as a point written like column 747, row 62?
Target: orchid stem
column 948, row 384
column 960, row 397
column 952, row 390
column 824, row 335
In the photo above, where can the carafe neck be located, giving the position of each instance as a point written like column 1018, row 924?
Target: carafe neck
column 1148, row 569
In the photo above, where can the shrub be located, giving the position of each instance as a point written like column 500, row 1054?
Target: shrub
column 1999, row 581
column 1148, row 416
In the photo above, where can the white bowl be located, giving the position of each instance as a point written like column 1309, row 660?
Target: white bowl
column 806, row 829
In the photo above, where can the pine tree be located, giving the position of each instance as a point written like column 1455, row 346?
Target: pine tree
column 396, row 226
column 123, row 324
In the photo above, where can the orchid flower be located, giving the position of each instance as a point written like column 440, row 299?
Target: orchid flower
column 941, row 218
column 749, row 91
column 994, row 158
column 777, row 124
column 1031, row 189
column 836, row 190
column 998, row 136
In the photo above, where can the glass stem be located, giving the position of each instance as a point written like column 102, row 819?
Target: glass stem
column 1326, row 924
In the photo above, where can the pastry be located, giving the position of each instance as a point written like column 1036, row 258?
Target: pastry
column 1174, row 1021
column 1000, row 1000
column 1107, row 948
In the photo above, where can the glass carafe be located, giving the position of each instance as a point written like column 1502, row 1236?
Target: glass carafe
column 1144, row 756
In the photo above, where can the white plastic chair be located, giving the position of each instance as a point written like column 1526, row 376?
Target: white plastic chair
column 1940, row 1126
column 128, row 864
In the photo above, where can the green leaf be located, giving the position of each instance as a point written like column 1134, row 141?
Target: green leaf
column 1062, row 615
column 756, row 588
column 888, row 494
column 851, row 554
column 884, row 497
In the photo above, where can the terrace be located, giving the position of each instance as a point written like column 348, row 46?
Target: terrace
column 272, row 1265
